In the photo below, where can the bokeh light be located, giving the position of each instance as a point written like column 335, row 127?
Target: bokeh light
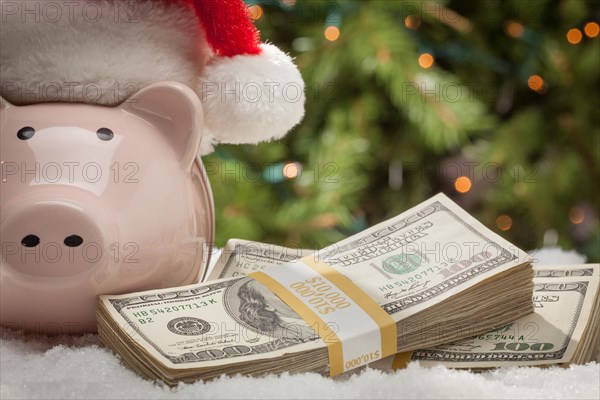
column 412, row 21
column 292, row 170
column 591, row 29
column 504, row 222
column 536, row 83
column 332, row 33
column 256, row 12
column 574, row 36
column 462, row 184
column 383, row 56
column 576, row 215
column 425, row 60
column 514, row 29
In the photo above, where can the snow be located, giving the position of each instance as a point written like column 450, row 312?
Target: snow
column 76, row 367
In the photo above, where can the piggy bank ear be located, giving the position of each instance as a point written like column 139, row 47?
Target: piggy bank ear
column 176, row 111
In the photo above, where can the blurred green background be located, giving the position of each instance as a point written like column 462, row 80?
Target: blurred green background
column 493, row 103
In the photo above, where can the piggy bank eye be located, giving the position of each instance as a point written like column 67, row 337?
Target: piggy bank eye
column 104, row 134
column 25, row 133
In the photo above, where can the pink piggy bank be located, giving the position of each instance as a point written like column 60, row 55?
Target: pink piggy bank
column 99, row 200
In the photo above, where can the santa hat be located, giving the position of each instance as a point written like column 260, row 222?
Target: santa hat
column 101, row 52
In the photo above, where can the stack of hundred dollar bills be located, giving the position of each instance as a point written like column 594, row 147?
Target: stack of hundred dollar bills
column 436, row 271
column 563, row 330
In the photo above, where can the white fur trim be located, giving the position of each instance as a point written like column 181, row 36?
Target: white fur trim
column 250, row 98
column 96, row 52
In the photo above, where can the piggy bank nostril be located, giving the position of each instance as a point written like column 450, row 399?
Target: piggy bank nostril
column 105, row 134
column 25, row 133
column 73, row 240
column 30, row 241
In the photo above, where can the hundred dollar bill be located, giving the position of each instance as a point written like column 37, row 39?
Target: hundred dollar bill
column 562, row 330
column 431, row 265
column 242, row 257
column 564, row 271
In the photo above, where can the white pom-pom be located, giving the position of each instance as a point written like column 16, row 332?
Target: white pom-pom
column 250, row 98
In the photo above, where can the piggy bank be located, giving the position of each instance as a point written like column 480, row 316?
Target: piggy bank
column 99, row 200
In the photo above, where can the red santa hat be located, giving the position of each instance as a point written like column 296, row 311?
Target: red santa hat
column 101, row 52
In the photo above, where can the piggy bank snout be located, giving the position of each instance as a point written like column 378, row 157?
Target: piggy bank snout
column 53, row 238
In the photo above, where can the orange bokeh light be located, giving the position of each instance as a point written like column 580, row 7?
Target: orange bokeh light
column 504, row 222
column 292, row 170
column 574, row 36
column 536, row 83
column 412, row 21
column 591, row 29
column 383, row 56
column 576, row 215
column 425, row 60
column 256, row 12
column 515, row 29
column 332, row 33
column 462, row 184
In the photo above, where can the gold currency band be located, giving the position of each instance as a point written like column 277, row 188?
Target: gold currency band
column 387, row 326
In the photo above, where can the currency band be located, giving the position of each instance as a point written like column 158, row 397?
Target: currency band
column 355, row 329
column 401, row 360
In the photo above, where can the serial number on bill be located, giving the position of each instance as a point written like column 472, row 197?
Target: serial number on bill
column 180, row 307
